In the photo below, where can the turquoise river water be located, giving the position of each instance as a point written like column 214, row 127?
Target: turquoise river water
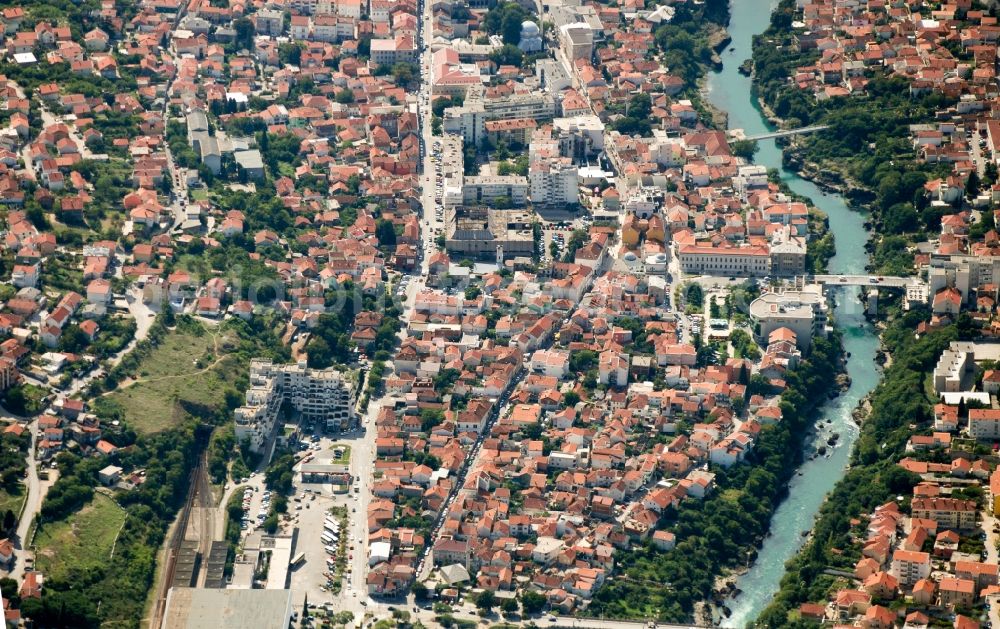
column 730, row 91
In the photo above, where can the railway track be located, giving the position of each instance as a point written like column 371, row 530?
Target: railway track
column 199, row 491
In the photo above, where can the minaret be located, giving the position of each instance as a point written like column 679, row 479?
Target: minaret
column 500, row 256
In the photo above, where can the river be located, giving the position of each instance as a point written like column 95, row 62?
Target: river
column 730, row 91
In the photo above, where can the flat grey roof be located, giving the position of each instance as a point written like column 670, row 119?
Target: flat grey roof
column 324, row 468
column 249, row 159
column 191, row 608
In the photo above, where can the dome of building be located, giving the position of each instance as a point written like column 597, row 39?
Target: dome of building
column 630, row 257
column 661, row 257
column 531, row 37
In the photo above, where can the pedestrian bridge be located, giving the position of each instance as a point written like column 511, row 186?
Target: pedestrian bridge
column 788, row 132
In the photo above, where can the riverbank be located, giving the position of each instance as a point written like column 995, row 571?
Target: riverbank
column 718, row 40
column 731, row 92
column 868, row 482
column 830, row 179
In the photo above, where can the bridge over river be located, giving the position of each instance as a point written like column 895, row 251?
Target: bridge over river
column 781, row 133
column 876, row 281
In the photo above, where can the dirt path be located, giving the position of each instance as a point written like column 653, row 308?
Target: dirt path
column 132, row 382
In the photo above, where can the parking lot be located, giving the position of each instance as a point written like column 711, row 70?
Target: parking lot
column 436, row 221
column 560, row 233
column 321, row 544
column 332, row 553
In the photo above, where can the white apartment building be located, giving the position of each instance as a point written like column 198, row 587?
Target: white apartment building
column 750, row 177
column 307, row 7
column 550, row 362
column 804, row 312
column 318, row 394
column 332, row 28
column 269, row 22
column 469, row 120
column 482, row 189
column 299, row 27
column 399, row 49
column 579, row 136
column 953, row 368
column 554, row 182
column 984, row 424
column 536, row 105
column 910, row 566
column 963, row 272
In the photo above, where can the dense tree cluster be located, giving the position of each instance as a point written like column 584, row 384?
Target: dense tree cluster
column 505, row 19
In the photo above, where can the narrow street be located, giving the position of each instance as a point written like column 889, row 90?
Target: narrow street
column 35, row 486
column 36, row 489
column 990, row 524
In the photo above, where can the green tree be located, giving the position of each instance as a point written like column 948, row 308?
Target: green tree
column 640, row 106
column 385, row 232
column 405, row 73
column 694, row 294
column 15, row 400
column 420, row 591
column 990, row 173
column 901, row 218
column 10, row 589
column 972, row 184
column 244, row 34
column 745, row 149
column 318, row 353
column 508, row 606
column 290, row 53
column 505, row 19
column 70, row 609
column 486, row 601
column 507, row 55
column 532, row 602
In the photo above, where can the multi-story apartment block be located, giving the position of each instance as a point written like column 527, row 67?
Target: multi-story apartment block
column 984, row 423
column 332, row 28
column 554, row 182
column 269, row 22
column 470, row 119
column 400, row 49
column 949, row 513
column 698, row 259
column 321, row 395
column 910, row 566
column 953, row 369
column 482, row 189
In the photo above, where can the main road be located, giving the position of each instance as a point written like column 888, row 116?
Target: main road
column 363, row 455
column 32, row 504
